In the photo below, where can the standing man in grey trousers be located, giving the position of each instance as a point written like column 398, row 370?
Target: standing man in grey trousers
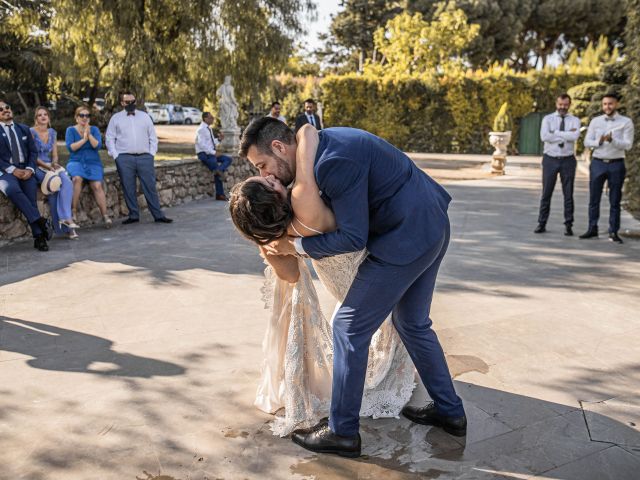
column 132, row 143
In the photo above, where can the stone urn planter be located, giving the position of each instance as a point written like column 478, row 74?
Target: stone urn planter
column 500, row 141
column 500, row 138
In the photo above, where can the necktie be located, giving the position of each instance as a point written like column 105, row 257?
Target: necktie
column 131, row 113
column 561, row 144
column 312, row 120
column 15, row 154
column 213, row 140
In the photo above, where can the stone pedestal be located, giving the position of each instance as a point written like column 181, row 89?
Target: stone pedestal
column 230, row 142
column 500, row 141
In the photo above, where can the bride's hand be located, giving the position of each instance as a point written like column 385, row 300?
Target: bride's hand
column 282, row 246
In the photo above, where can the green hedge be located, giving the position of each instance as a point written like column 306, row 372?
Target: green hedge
column 449, row 114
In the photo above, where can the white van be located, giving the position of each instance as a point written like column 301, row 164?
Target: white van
column 158, row 113
column 176, row 114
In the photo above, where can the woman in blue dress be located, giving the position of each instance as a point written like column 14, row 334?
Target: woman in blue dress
column 84, row 142
column 59, row 202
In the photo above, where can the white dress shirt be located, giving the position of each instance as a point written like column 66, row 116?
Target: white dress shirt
column 558, row 143
column 205, row 141
column 131, row 134
column 281, row 117
column 621, row 129
column 7, row 127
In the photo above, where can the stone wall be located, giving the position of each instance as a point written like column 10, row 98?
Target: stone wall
column 177, row 181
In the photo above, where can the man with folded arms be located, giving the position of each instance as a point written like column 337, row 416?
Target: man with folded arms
column 610, row 135
column 132, row 142
column 559, row 132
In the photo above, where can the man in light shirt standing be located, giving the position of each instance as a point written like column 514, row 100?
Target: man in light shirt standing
column 610, row 135
column 276, row 108
column 132, row 143
column 206, row 145
column 559, row 132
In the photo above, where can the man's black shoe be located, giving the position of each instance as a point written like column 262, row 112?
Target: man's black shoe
column 568, row 231
column 613, row 237
column 47, row 230
column 541, row 228
column 428, row 415
column 130, row 220
column 163, row 220
column 40, row 243
column 592, row 232
column 321, row 439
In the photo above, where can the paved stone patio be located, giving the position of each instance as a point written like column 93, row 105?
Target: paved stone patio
column 134, row 353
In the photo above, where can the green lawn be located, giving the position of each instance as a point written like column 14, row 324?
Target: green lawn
column 165, row 152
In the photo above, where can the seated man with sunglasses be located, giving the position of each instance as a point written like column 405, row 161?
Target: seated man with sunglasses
column 132, row 142
column 17, row 173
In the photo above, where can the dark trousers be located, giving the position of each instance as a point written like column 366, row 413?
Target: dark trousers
column 613, row 173
column 22, row 194
column 140, row 166
column 379, row 289
column 551, row 167
column 216, row 164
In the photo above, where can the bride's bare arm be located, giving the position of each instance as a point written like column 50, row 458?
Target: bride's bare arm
column 285, row 266
column 309, row 208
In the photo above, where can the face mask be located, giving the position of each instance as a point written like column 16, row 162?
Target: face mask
column 131, row 107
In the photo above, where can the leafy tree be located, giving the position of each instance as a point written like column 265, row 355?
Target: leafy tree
column 631, row 101
column 410, row 45
column 24, row 54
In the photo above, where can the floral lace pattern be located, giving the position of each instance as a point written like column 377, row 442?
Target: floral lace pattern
column 298, row 351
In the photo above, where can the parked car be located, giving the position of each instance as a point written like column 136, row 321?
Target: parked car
column 176, row 114
column 157, row 112
column 192, row 115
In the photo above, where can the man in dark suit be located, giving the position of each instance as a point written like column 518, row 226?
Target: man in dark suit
column 308, row 116
column 406, row 234
column 17, row 173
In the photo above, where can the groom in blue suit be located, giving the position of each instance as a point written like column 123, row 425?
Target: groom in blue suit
column 384, row 203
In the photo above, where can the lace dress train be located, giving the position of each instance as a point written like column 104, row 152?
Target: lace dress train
column 298, row 351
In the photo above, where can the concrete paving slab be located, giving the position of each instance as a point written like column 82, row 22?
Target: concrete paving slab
column 135, row 352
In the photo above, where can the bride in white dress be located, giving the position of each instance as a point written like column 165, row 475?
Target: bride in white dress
column 295, row 383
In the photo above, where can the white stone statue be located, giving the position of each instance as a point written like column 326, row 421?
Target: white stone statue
column 228, row 107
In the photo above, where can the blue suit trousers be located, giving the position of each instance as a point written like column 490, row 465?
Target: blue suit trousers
column 22, row 194
column 216, row 164
column 405, row 291
column 141, row 166
column 612, row 173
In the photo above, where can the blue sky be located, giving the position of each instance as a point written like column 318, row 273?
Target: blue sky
column 324, row 9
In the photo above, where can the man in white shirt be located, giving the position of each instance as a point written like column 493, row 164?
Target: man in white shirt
column 132, row 143
column 276, row 108
column 610, row 135
column 559, row 132
column 206, row 144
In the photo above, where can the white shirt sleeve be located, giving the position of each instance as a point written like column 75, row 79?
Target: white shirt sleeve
column 624, row 139
column 590, row 139
column 297, row 243
column 153, row 138
column 546, row 134
column 110, row 139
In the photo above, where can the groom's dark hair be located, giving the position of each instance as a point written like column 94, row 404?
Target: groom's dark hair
column 262, row 132
column 258, row 212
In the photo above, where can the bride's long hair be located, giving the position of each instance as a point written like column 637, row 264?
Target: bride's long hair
column 258, row 212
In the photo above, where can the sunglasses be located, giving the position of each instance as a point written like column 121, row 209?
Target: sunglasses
column 84, row 115
column 129, row 102
column 5, row 108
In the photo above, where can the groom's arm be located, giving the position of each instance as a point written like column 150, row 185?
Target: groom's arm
column 345, row 182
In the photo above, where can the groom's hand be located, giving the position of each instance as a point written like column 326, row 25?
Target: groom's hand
column 282, row 246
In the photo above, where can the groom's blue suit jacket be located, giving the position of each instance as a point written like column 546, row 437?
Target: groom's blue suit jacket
column 380, row 199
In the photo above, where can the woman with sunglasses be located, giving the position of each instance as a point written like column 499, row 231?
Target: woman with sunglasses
column 59, row 202
column 84, row 142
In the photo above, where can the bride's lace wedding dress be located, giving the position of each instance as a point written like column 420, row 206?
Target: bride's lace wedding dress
column 298, row 352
